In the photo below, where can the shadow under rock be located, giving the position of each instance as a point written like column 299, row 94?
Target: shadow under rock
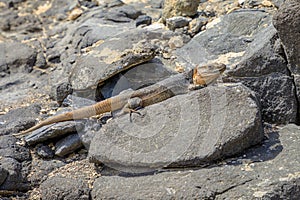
column 267, row 150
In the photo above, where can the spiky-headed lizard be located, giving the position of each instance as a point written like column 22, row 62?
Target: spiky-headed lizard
column 130, row 100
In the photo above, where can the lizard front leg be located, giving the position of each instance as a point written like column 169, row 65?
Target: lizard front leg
column 133, row 104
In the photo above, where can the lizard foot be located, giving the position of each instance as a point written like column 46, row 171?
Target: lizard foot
column 134, row 111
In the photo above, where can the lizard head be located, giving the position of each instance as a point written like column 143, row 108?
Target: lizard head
column 206, row 74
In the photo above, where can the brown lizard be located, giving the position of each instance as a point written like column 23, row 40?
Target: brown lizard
column 131, row 100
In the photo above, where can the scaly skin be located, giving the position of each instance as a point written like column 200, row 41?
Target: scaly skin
column 175, row 85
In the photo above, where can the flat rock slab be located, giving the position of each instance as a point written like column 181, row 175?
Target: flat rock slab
column 53, row 131
column 116, row 54
column 186, row 130
column 268, row 171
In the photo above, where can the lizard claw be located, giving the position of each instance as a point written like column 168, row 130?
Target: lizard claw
column 133, row 111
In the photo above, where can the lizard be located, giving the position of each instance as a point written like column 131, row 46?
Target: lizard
column 130, row 101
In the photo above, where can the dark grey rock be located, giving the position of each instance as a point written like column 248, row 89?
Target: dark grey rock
column 110, row 58
column 255, row 55
column 61, row 91
column 117, row 55
column 68, row 145
column 9, row 149
column 14, row 180
column 267, row 171
column 177, row 22
column 40, row 57
column 53, row 131
column 88, row 4
column 93, row 29
column 228, row 36
column 202, row 184
column 276, row 93
column 287, row 22
column 263, row 56
column 124, row 13
column 16, row 57
column 135, row 78
column 91, row 127
column 143, row 20
column 3, row 175
column 41, row 168
column 273, row 168
column 186, row 130
column 44, row 151
column 264, row 69
column 12, row 21
column 59, row 187
column 19, row 119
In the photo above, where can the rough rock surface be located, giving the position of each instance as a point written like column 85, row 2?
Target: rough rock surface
column 41, row 168
column 9, row 149
column 69, row 189
column 15, row 179
column 12, row 155
column 276, row 93
column 75, row 181
column 264, row 69
column 3, row 175
column 201, row 127
column 268, row 171
column 287, row 22
column 19, row 119
column 16, row 57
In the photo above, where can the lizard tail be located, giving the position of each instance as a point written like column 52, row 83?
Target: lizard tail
column 58, row 118
column 88, row 111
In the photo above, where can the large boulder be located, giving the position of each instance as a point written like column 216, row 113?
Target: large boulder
column 287, row 23
column 268, row 171
column 187, row 130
